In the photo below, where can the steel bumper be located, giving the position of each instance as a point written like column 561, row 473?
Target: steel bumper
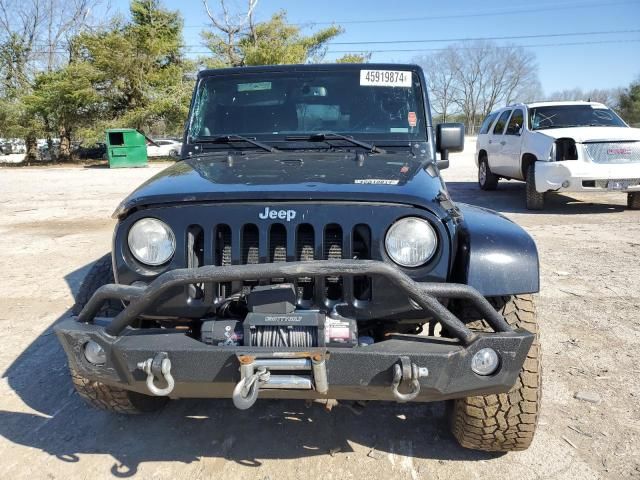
column 359, row 373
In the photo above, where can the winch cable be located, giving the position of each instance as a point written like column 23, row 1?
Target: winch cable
column 284, row 337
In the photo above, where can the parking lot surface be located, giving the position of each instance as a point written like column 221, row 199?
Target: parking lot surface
column 54, row 222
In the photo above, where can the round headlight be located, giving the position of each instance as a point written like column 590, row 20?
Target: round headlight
column 411, row 242
column 151, row 241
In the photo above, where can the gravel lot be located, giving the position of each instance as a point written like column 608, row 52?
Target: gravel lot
column 54, row 222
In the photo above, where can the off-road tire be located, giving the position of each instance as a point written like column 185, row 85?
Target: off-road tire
column 114, row 399
column 98, row 394
column 100, row 273
column 534, row 199
column 507, row 421
column 489, row 181
column 633, row 201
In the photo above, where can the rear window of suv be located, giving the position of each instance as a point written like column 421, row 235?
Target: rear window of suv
column 487, row 123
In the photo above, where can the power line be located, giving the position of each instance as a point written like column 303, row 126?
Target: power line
column 539, row 45
column 594, row 42
column 551, row 7
column 502, row 12
column 461, row 39
column 511, row 37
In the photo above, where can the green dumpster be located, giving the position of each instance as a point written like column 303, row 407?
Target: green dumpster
column 126, row 147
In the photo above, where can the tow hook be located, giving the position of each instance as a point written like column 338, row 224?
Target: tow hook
column 257, row 373
column 245, row 393
column 158, row 367
column 407, row 374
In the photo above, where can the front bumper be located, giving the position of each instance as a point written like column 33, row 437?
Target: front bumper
column 359, row 373
column 584, row 176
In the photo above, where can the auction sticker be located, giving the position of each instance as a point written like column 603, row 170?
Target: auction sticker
column 385, row 78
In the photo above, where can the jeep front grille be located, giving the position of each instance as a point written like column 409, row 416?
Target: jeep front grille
column 279, row 242
column 613, row 152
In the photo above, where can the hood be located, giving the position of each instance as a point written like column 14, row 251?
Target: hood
column 295, row 176
column 593, row 134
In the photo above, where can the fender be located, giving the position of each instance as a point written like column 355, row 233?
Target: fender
column 495, row 255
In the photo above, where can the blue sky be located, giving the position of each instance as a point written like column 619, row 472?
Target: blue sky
column 594, row 65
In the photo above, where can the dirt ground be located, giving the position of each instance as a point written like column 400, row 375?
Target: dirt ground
column 54, row 222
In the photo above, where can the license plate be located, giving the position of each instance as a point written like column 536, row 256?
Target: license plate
column 618, row 184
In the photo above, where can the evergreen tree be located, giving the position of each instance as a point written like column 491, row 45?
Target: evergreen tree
column 629, row 105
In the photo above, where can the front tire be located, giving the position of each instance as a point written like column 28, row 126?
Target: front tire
column 114, row 399
column 100, row 273
column 98, row 394
column 535, row 199
column 507, row 421
column 633, row 201
column 486, row 179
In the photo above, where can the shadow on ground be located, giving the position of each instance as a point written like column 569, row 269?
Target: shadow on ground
column 188, row 430
column 510, row 198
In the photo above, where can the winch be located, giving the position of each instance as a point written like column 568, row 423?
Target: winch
column 274, row 321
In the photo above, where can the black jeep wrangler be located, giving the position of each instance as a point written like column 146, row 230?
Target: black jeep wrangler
column 306, row 247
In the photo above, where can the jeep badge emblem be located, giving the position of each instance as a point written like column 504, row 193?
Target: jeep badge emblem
column 287, row 215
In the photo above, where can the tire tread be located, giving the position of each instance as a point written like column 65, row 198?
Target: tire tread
column 507, row 421
column 98, row 394
column 534, row 199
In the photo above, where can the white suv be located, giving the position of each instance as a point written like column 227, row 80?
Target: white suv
column 559, row 147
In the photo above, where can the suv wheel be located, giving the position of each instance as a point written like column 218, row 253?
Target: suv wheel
column 535, row 199
column 98, row 394
column 506, row 421
column 633, row 200
column 100, row 273
column 486, row 179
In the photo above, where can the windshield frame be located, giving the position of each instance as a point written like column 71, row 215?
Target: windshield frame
column 256, row 74
column 532, row 110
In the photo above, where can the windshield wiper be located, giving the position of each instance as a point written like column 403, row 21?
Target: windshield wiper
column 236, row 138
column 324, row 136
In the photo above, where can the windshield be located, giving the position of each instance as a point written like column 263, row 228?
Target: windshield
column 377, row 105
column 561, row 116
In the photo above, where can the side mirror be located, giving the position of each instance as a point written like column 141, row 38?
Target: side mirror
column 449, row 138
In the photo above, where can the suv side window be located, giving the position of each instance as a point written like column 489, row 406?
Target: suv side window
column 487, row 123
column 516, row 122
column 498, row 129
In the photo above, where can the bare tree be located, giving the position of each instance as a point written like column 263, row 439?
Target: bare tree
column 40, row 30
column 64, row 19
column 35, row 37
column 440, row 77
column 472, row 78
column 232, row 26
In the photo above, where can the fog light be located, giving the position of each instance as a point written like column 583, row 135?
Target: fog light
column 485, row 361
column 565, row 184
column 94, row 353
